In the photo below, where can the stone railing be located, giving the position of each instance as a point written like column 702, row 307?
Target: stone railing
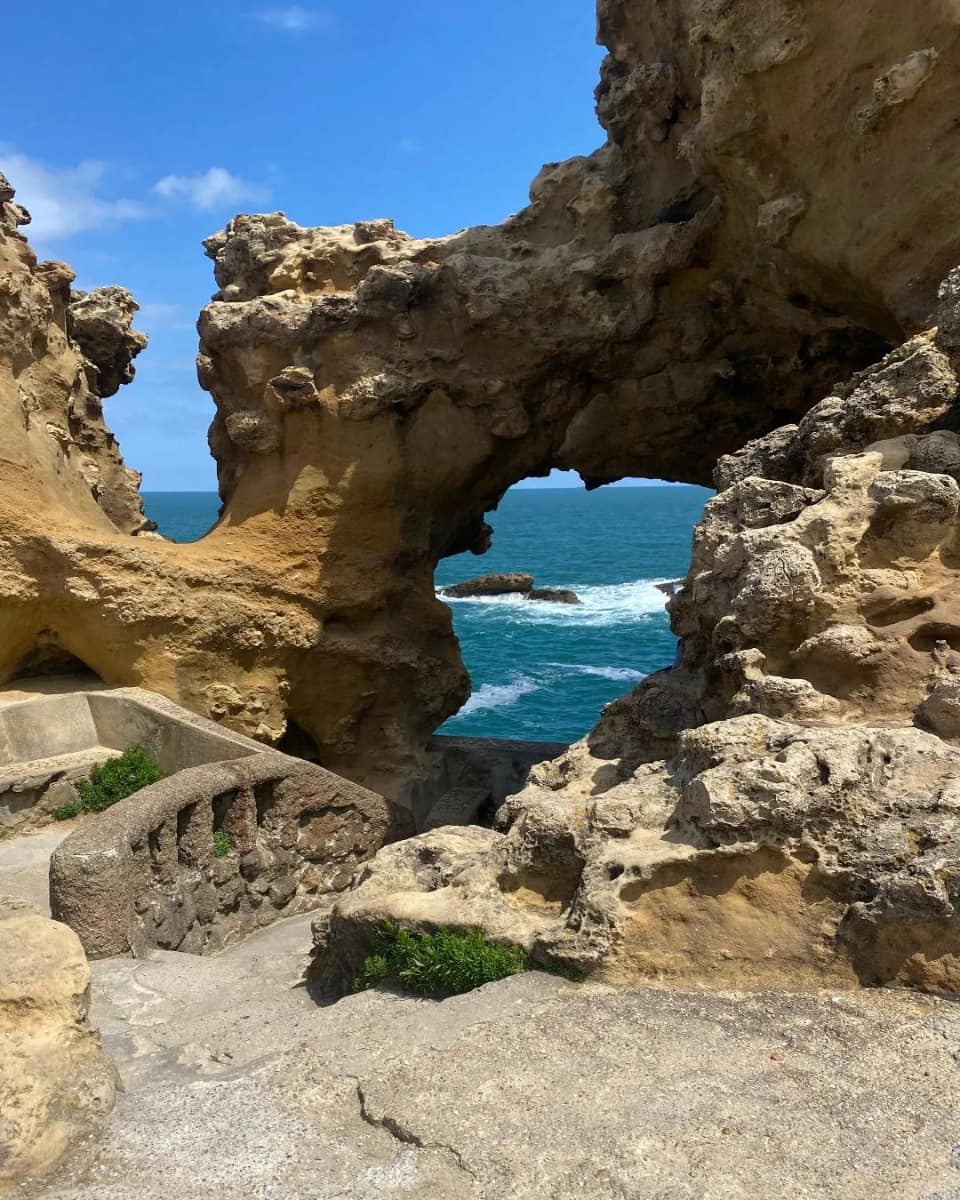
column 216, row 851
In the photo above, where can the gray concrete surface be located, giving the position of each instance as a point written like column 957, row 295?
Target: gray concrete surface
column 50, row 740
column 240, row 1087
column 25, row 865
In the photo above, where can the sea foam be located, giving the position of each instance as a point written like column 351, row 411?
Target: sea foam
column 601, row 605
column 493, row 696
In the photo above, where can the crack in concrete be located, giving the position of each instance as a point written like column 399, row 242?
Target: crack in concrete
column 406, row 1136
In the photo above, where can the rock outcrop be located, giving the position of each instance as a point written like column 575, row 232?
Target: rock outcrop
column 802, row 827
column 763, row 854
column 518, row 583
column 692, row 285
column 55, row 1084
column 61, row 353
column 823, row 575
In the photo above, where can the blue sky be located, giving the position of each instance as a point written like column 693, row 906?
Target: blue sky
column 159, row 122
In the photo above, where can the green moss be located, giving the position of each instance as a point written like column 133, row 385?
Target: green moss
column 221, row 844
column 444, row 963
column 111, row 781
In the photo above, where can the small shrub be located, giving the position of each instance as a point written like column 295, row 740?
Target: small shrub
column 444, row 963
column 66, row 812
column 221, row 844
column 116, row 779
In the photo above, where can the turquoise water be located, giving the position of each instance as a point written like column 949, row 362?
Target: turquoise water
column 544, row 671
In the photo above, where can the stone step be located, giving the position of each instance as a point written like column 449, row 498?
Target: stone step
column 458, row 806
column 37, row 772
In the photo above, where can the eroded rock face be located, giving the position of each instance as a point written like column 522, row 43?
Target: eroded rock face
column 764, row 854
column 693, row 284
column 779, row 807
column 55, row 1084
column 822, row 585
column 61, row 352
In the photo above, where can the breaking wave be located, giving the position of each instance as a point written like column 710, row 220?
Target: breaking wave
column 493, row 696
column 601, row 605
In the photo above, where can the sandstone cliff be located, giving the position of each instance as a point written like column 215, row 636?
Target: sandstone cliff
column 751, row 232
column 61, row 353
column 781, row 807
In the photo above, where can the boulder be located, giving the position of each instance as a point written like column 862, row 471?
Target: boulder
column 764, row 854
column 554, row 595
column 56, row 1086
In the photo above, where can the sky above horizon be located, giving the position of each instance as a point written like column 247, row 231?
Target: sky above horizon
column 159, row 125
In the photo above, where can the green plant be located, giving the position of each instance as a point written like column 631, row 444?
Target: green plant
column 444, row 963
column 221, row 844
column 66, row 812
column 111, row 781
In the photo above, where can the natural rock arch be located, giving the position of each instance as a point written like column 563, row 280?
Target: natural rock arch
column 698, row 281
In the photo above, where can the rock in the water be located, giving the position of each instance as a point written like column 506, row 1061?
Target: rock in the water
column 56, row 1086
column 687, row 287
column 490, row 585
column 554, row 595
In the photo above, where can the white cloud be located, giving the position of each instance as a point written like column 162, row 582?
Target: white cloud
column 293, row 18
column 64, row 200
column 215, row 188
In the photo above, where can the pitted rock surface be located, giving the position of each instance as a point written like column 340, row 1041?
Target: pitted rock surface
column 750, row 233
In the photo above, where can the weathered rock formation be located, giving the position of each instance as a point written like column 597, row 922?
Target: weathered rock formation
column 519, row 583
column 803, row 827
column 823, row 574
column 752, row 231
column 55, row 1084
column 61, row 353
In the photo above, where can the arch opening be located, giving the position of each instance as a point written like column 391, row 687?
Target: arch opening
column 583, row 619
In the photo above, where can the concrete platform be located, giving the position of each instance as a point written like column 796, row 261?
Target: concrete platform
column 240, row 1087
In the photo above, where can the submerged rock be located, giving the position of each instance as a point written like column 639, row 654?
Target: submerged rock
column 554, row 595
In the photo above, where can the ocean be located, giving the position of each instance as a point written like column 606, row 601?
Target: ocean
column 544, row 671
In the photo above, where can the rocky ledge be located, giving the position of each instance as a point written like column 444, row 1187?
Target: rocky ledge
column 518, row 584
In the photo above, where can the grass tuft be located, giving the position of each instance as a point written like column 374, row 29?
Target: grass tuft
column 221, row 844
column 445, row 963
column 111, row 781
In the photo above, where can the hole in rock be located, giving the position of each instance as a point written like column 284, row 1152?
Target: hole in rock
column 298, row 743
column 541, row 665
column 927, row 637
column 182, row 516
column 49, row 667
column 904, row 609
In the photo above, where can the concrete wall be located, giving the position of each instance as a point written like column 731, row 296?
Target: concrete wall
column 50, row 742
column 174, row 738
column 147, row 871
